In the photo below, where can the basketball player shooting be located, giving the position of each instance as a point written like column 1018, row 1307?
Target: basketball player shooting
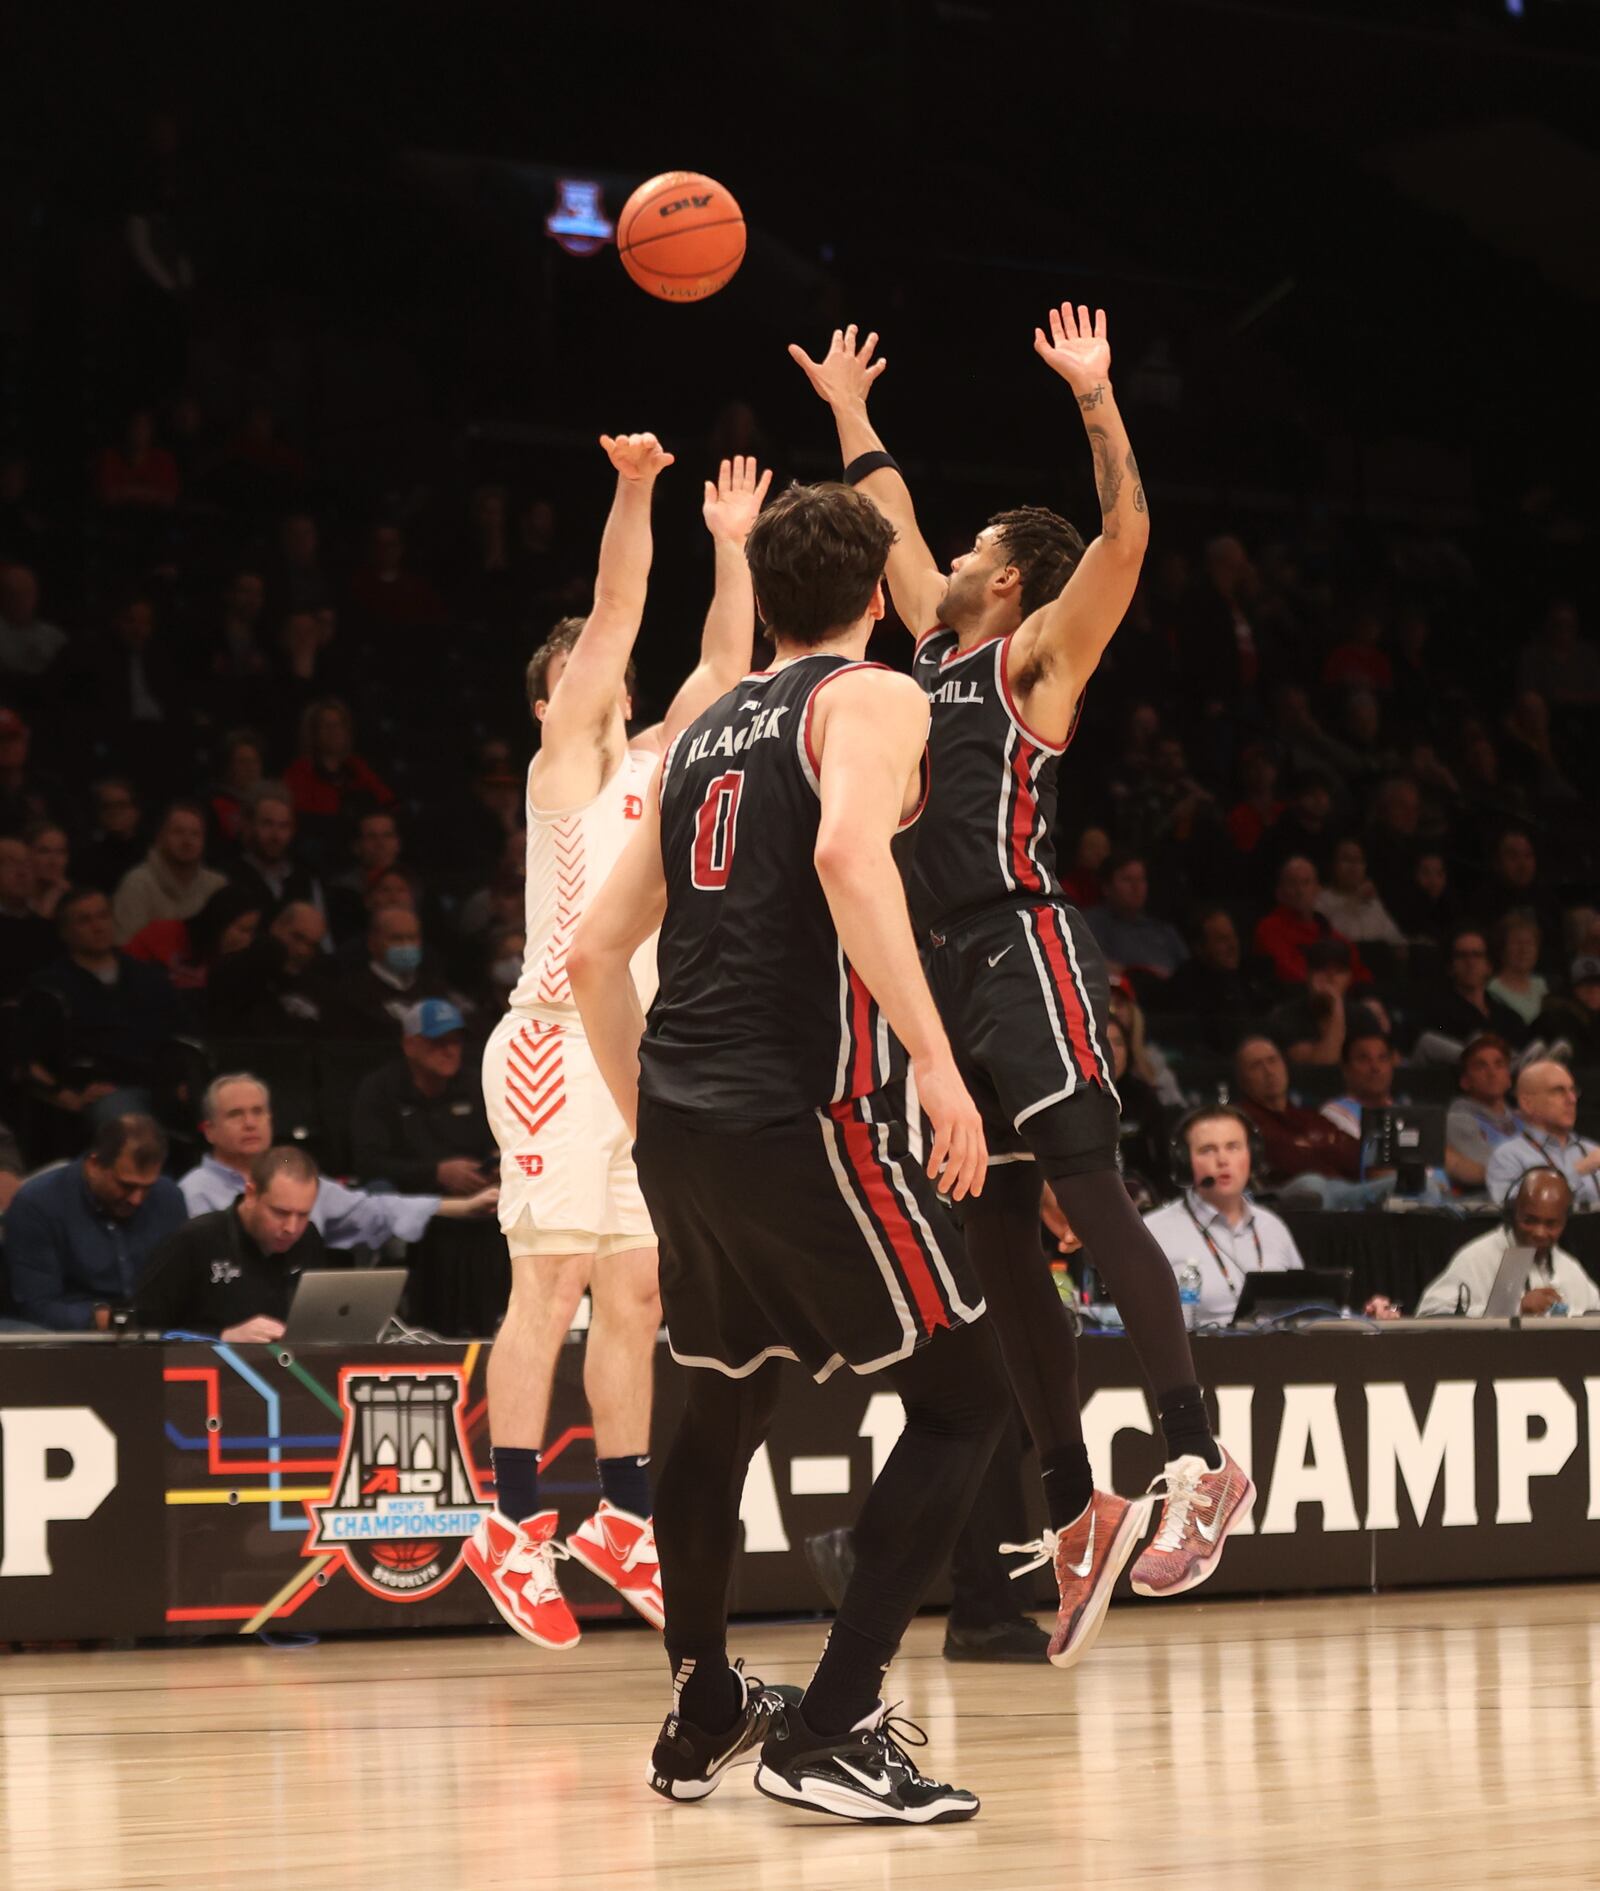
column 1011, row 636
column 570, row 1205
column 773, row 1151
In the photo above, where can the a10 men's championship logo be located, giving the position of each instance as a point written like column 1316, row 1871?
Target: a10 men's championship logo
column 403, row 1501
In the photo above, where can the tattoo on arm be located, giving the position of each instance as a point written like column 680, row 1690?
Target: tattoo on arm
column 1094, row 397
column 1108, row 478
column 1138, row 484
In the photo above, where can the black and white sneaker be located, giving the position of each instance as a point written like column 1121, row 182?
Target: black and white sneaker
column 866, row 1774
column 688, row 1762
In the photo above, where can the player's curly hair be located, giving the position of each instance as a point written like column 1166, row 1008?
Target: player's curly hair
column 1042, row 546
column 559, row 644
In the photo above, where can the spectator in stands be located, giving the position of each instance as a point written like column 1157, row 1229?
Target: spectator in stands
column 1351, row 905
column 376, row 846
column 189, row 950
column 12, row 1170
column 117, row 843
column 26, row 795
column 267, row 866
column 298, row 580
column 1547, row 1109
column 1530, row 754
column 1169, row 809
column 137, row 475
column 328, row 778
column 27, row 942
column 1294, row 923
column 174, row 882
column 1218, row 654
column 1577, row 1016
column 1480, row 1119
column 385, row 596
column 501, row 902
column 1368, row 1066
column 1145, row 1058
column 239, row 655
column 504, row 951
column 1081, row 882
column 29, row 646
column 1312, row 1028
column 51, row 854
column 1213, row 985
column 240, row 771
column 236, row 1120
column 1513, row 882
column 1428, row 909
column 233, row 1272
column 95, row 1020
column 1213, row 1226
column 1466, row 1009
column 308, row 664
column 1298, row 1141
column 419, row 1122
column 280, row 986
column 394, row 974
column 78, row 1237
column 136, row 688
column 1394, row 835
column 1555, row 1282
column 1305, row 827
column 1516, row 983
column 1142, row 1130
column 1260, row 807
column 1127, row 934
column 1358, row 659
column 1559, row 663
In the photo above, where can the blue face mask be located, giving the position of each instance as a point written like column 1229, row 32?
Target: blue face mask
column 402, row 960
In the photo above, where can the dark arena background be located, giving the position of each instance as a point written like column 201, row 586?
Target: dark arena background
column 310, row 320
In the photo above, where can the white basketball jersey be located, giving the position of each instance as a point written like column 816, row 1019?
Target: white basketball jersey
column 569, row 856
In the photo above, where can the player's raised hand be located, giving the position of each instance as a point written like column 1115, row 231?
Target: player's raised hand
column 734, row 498
column 959, row 1160
column 845, row 374
column 1076, row 348
column 636, row 455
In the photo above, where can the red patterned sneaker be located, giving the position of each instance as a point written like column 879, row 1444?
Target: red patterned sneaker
column 1088, row 1556
column 517, row 1565
column 620, row 1549
column 1201, row 1507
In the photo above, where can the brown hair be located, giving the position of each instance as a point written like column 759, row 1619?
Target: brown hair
column 286, row 1159
column 817, row 554
column 1044, row 548
column 560, row 643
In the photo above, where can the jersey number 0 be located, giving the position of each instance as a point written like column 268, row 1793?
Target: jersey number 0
column 714, row 827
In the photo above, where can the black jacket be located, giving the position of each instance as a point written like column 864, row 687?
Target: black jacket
column 400, row 1136
column 210, row 1275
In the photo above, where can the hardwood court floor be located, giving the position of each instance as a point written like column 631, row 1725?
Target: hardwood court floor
column 1440, row 1739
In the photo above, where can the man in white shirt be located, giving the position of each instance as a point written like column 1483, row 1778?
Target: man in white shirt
column 1213, row 1225
column 1555, row 1280
column 236, row 1119
column 1547, row 1102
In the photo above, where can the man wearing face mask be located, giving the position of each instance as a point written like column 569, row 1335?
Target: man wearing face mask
column 396, row 973
column 419, row 1123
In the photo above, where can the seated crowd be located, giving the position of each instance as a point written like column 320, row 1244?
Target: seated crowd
column 239, row 855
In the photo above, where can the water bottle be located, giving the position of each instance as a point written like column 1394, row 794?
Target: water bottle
column 1189, row 1293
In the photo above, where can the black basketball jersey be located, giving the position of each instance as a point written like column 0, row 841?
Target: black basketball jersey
column 987, row 836
column 759, row 1014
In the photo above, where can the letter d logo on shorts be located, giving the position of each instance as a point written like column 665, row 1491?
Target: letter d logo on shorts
column 403, row 1501
column 530, row 1165
column 632, row 808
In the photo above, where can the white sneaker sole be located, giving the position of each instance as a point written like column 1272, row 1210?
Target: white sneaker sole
column 1203, row 1570
column 647, row 1606
column 508, row 1615
column 818, row 1795
column 691, row 1789
column 1135, row 1522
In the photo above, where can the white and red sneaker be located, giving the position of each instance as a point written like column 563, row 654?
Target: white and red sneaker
column 620, row 1549
column 1200, row 1508
column 516, row 1563
column 1088, row 1556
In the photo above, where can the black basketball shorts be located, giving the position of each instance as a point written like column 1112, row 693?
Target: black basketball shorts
column 816, row 1239
column 1024, row 995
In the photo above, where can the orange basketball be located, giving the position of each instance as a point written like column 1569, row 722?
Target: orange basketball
column 681, row 236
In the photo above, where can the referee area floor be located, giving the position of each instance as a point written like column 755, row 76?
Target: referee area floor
column 1421, row 1739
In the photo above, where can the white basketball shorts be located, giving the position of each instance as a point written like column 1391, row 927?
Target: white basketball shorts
column 567, row 1180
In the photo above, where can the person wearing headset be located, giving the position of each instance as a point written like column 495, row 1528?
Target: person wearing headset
column 1213, row 1224
column 1535, row 1217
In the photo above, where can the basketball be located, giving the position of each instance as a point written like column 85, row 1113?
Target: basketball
column 406, row 1554
column 681, row 236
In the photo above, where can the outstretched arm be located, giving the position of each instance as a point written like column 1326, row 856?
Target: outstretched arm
column 1062, row 643
column 732, row 502
column 583, row 701
column 629, row 907
column 844, row 377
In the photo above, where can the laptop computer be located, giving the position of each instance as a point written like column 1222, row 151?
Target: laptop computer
column 1266, row 1296
column 1510, row 1283
column 354, row 1304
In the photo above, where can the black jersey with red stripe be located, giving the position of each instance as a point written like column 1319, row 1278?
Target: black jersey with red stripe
column 987, row 837
column 759, row 1014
